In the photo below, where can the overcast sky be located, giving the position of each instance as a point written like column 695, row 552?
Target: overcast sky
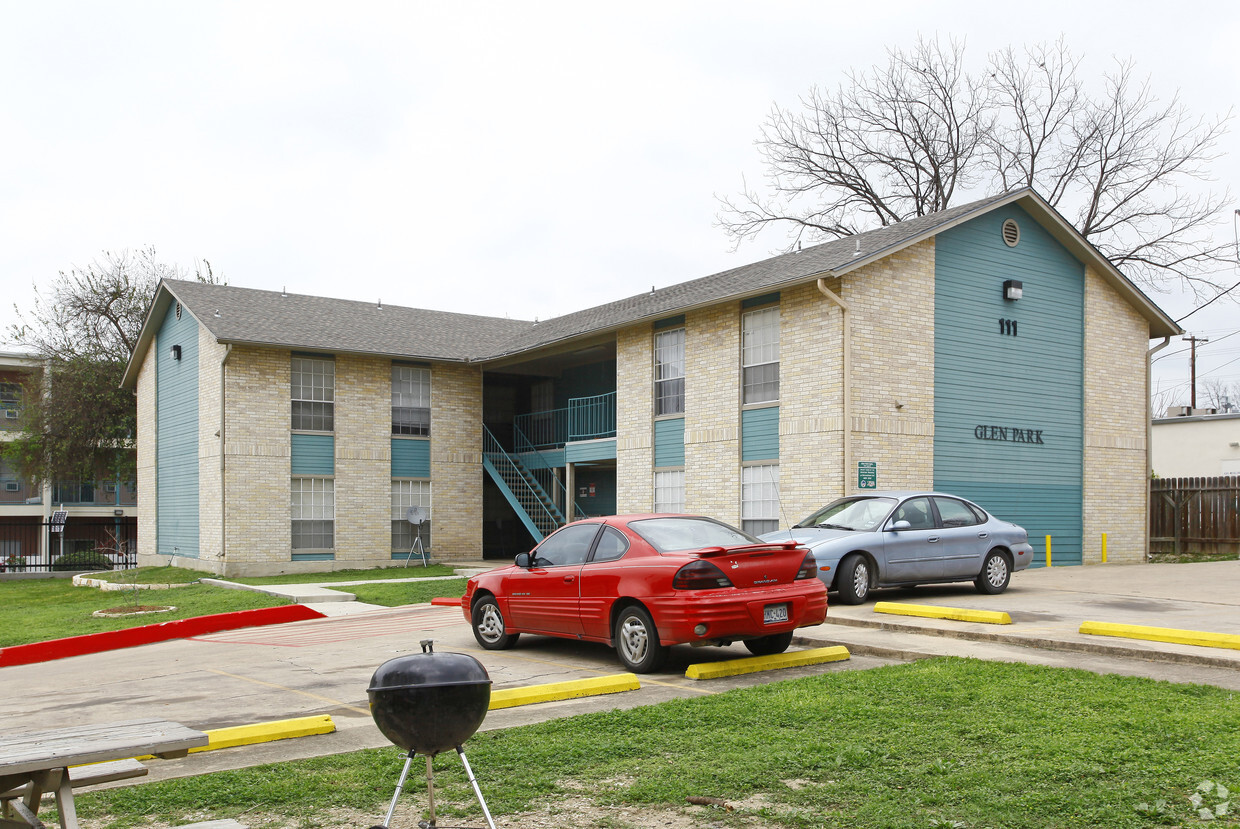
column 499, row 158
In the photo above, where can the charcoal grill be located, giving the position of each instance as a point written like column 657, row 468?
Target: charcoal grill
column 427, row 703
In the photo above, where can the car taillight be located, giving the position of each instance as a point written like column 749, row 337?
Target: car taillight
column 809, row 568
column 700, row 575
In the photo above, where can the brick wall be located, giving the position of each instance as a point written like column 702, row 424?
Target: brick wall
column 1116, row 479
column 634, row 409
column 363, row 483
column 712, row 412
column 456, row 462
column 145, row 445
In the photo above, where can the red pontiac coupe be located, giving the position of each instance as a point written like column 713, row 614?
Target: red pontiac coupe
column 642, row 583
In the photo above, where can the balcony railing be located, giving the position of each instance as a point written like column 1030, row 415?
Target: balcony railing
column 585, row 418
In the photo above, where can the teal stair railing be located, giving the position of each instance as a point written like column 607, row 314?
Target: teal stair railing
column 533, row 506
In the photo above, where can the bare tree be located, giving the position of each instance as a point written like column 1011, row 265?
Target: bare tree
column 919, row 134
column 76, row 422
column 1220, row 395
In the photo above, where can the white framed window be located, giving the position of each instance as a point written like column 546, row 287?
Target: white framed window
column 669, row 491
column 760, row 498
column 313, row 389
column 406, row 494
column 669, row 372
column 411, row 401
column 314, row 513
column 760, row 355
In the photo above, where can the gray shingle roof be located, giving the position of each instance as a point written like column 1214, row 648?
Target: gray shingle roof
column 317, row 323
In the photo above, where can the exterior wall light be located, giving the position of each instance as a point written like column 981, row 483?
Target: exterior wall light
column 1013, row 289
column 176, row 352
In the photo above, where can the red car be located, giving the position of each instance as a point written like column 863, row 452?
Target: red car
column 642, row 583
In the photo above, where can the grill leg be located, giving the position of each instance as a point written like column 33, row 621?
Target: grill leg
column 473, row 782
column 387, row 821
column 430, row 792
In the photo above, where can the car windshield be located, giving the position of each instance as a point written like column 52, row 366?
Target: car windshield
column 680, row 533
column 855, row 514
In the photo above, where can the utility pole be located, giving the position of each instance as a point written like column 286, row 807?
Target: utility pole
column 1192, row 369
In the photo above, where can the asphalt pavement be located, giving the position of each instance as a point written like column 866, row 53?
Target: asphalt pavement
column 323, row 666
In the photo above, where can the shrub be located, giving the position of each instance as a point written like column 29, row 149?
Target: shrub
column 82, row 560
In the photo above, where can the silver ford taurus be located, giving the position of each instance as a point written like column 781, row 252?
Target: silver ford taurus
column 901, row 539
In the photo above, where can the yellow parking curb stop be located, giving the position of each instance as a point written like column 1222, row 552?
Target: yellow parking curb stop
column 753, row 664
column 552, row 691
column 959, row 614
column 1152, row 634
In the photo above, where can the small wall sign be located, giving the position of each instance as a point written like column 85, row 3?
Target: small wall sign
column 1009, row 434
column 867, row 475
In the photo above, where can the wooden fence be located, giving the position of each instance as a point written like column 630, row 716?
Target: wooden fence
column 1195, row 515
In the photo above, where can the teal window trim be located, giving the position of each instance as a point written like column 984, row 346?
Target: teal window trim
column 411, row 364
column 314, row 556
column 670, row 322
column 312, row 355
column 758, row 301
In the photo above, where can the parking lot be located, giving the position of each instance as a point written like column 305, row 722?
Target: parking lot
column 323, row 666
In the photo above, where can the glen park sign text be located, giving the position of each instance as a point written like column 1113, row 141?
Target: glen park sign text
column 1010, row 434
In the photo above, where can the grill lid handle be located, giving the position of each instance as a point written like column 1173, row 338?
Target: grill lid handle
column 428, row 645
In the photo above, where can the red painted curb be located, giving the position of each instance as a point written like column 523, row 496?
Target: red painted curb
column 146, row 634
column 446, row 601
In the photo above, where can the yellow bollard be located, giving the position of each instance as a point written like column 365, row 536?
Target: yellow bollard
column 1104, row 548
column 1048, row 551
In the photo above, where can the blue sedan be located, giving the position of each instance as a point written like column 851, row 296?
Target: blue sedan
column 901, row 539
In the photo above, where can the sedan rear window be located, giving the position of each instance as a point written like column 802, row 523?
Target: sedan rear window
column 685, row 533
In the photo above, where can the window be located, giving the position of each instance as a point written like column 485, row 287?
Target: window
column 411, row 401
column 611, row 545
column 10, row 398
column 916, row 511
column 760, row 356
column 313, row 388
column 669, row 491
column 760, row 499
column 669, row 372
column 568, row 545
column 406, row 494
column 955, row 513
column 73, row 492
column 314, row 513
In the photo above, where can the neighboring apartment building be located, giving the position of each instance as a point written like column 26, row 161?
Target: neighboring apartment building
column 100, row 515
column 1196, row 445
column 986, row 350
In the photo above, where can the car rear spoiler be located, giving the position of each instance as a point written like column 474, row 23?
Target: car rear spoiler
column 708, row 552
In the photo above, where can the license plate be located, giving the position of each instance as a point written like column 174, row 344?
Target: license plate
column 773, row 613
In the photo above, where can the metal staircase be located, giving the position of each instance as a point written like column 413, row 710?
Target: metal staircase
column 528, row 498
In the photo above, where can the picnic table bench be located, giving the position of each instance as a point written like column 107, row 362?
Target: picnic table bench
column 39, row 761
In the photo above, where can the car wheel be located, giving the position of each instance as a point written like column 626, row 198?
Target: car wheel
column 488, row 624
column 767, row 645
column 637, row 641
column 995, row 574
column 854, row 580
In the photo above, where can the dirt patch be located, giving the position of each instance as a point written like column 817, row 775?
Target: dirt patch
column 132, row 610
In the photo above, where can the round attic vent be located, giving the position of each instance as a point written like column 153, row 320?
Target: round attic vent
column 179, row 307
column 1011, row 232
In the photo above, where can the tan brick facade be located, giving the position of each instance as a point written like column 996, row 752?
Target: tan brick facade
column 1116, row 478
column 712, row 412
column 456, row 462
column 634, row 429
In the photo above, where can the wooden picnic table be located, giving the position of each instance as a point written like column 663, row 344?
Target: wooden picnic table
column 38, row 761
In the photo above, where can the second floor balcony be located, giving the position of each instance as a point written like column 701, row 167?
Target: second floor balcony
column 584, row 418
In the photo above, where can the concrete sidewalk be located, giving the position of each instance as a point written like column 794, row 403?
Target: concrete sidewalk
column 1047, row 607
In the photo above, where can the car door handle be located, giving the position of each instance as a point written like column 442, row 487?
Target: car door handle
column 932, row 539
column 569, row 579
column 983, row 535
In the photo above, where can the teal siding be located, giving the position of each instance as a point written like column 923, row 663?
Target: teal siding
column 314, row 455
column 591, row 450
column 585, row 381
column 176, row 435
column 1031, row 381
column 760, row 434
column 669, row 442
column 596, row 491
column 411, row 458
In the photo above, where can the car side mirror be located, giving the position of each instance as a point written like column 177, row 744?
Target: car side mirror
column 901, row 525
column 523, row 560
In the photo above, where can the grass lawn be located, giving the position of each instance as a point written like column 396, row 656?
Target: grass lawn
column 36, row 610
column 937, row 744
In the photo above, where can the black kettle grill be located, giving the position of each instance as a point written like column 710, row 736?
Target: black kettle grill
column 428, row 703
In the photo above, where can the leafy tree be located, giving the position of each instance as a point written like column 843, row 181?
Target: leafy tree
column 922, row 133
column 77, row 423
